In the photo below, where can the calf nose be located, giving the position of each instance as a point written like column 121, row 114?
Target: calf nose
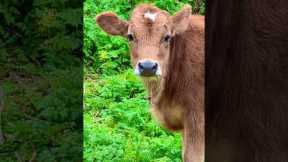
column 147, row 68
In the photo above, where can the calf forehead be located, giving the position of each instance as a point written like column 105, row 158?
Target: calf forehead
column 149, row 18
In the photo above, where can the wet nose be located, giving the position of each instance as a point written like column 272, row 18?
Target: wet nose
column 147, row 68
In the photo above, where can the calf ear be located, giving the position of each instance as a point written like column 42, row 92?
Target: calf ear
column 180, row 21
column 111, row 24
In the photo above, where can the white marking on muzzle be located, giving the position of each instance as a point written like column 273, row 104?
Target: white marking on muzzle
column 137, row 71
column 158, row 72
column 150, row 15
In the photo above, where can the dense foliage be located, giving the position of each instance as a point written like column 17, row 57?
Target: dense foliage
column 117, row 123
column 40, row 80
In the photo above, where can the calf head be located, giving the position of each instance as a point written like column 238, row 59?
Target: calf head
column 149, row 31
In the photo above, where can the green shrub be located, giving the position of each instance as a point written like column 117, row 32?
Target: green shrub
column 118, row 126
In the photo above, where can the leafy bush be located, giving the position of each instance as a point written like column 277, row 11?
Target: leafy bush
column 117, row 124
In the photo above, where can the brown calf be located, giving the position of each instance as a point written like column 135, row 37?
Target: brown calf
column 167, row 52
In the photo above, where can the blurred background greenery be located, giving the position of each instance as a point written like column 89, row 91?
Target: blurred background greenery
column 41, row 80
column 117, row 123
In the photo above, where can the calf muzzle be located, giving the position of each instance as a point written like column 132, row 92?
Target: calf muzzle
column 147, row 68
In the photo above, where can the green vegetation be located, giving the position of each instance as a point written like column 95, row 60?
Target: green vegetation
column 117, row 123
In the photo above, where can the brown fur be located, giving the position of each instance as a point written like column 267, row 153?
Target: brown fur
column 247, row 81
column 177, row 97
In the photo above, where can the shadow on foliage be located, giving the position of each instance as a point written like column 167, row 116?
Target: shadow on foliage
column 41, row 80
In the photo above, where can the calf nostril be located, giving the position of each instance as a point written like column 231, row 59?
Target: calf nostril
column 140, row 65
column 155, row 66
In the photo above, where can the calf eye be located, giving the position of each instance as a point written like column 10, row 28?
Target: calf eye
column 130, row 37
column 167, row 38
